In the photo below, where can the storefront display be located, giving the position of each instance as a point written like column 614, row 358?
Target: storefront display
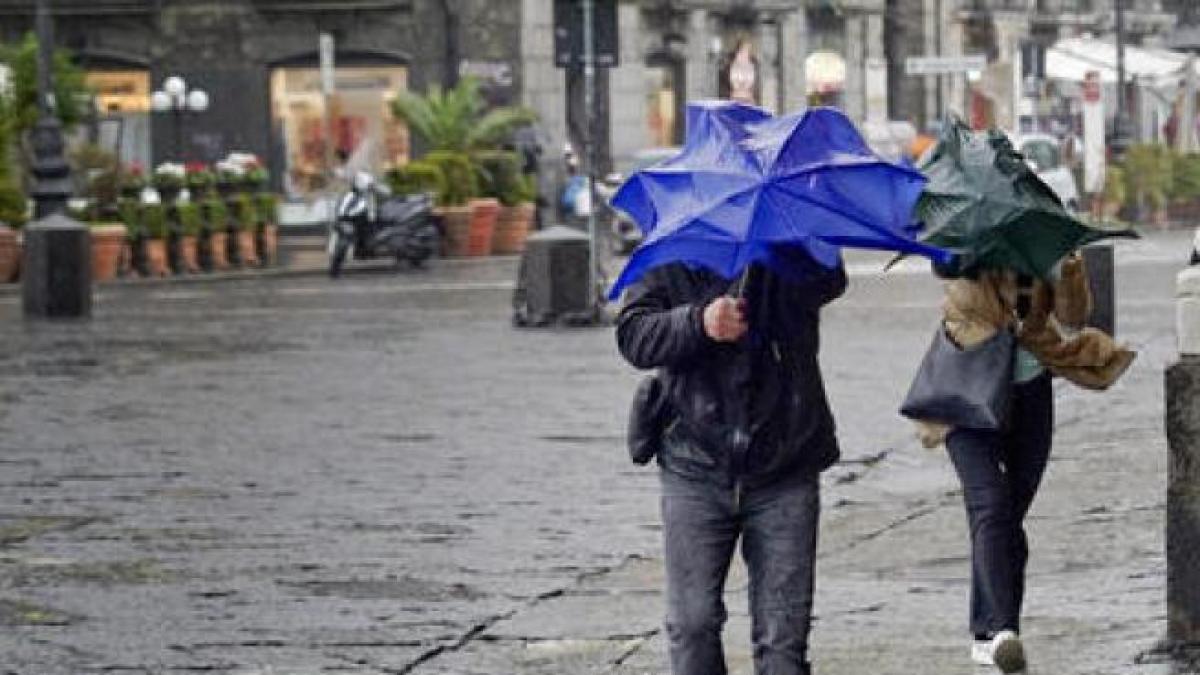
column 365, row 135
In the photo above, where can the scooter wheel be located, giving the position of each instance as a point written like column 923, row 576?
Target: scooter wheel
column 340, row 246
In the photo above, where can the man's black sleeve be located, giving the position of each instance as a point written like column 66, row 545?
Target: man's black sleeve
column 651, row 333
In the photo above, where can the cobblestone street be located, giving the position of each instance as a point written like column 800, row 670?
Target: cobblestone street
column 381, row 475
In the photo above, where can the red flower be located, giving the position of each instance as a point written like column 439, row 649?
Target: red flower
column 195, row 167
column 134, row 169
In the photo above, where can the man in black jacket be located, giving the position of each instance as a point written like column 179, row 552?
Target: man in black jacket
column 748, row 432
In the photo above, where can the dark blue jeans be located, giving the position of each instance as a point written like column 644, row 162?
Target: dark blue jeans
column 777, row 525
column 1000, row 473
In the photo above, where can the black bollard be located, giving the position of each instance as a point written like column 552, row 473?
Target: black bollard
column 1183, row 476
column 554, row 279
column 1101, row 271
column 56, row 273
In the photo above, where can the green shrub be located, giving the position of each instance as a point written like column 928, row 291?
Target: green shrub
column 190, row 220
column 154, row 220
column 1185, row 183
column 417, row 177
column 1148, row 174
column 1114, row 185
column 460, row 178
column 14, row 208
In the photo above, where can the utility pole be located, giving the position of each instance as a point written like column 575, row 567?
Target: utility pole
column 1121, row 124
column 589, row 142
column 57, row 277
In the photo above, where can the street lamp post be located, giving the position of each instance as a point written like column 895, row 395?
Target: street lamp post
column 175, row 98
column 1121, row 124
column 57, row 278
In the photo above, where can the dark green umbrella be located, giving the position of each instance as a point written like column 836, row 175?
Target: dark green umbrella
column 985, row 204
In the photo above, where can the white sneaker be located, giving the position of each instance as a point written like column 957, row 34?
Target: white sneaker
column 981, row 653
column 1003, row 651
column 1007, row 653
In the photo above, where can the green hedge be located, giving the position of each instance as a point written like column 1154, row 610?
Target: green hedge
column 190, row 220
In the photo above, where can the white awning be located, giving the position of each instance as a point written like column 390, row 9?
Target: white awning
column 1072, row 58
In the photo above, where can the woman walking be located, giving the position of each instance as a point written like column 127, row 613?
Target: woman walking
column 1000, row 470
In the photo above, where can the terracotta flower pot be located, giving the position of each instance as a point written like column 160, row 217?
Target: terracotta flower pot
column 107, row 243
column 10, row 254
column 482, row 227
column 271, row 243
column 246, row 246
column 189, row 248
column 512, row 228
column 156, row 258
column 218, row 242
column 456, row 224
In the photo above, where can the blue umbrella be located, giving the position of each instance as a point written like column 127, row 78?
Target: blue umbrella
column 749, row 187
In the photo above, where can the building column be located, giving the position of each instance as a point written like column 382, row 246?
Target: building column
column 627, row 114
column 793, row 50
column 767, row 38
column 543, row 88
column 855, row 92
column 700, row 76
column 875, row 74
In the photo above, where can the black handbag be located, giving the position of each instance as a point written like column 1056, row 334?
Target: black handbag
column 648, row 419
column 963, row 387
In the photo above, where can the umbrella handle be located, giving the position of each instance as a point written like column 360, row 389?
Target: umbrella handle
column 738, row 290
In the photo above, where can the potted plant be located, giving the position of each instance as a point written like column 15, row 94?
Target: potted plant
column 108, row 243
column 129, row 212
column 419, row 177
column 245, row 219
column 168, row 179
column 191, row 225
column 216, row 223
column 156, row 228
column 12, row 216
column 504, row 181
column 267, row 207
column 133, row 181
column 458, row 123
column 453, row 208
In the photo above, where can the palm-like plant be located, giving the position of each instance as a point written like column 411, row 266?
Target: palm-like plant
column 458, row 119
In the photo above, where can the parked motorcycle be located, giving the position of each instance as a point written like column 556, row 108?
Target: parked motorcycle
column 370, row 223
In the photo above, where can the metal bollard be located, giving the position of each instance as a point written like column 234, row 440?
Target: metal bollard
column 56, row 272
column 1098, row 259
column 1183, row 479
column 554, row 280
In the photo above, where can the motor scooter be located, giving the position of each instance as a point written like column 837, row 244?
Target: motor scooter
column 404, row 228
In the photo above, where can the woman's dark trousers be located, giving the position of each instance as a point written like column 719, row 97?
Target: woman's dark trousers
column 777, row 524
column 1000, row 473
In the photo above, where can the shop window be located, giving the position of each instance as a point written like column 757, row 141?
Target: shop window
column 662, row 105
column 122, row 107
column 365, row 135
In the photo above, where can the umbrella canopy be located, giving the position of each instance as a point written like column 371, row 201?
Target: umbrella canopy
column 748, row 185
column 984, row 203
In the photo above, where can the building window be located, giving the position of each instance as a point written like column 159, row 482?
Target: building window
column 366, row 136
column 662, row 105
column 122, row 104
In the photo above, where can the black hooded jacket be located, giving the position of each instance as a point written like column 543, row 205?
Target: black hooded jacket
column 754, row 410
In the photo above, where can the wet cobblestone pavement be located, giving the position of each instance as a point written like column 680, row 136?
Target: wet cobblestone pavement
column 381, row 475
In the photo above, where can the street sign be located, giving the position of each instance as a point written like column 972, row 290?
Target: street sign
column 944, row 65
column 568, row 33
column 327, row 66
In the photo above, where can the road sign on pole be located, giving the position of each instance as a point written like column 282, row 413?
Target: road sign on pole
column 569, row 42
column 944, row 65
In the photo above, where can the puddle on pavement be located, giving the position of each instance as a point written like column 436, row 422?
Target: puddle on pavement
column 401, row 588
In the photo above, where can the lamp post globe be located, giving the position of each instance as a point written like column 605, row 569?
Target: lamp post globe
column 160, row 101
column 197, row 100
column 175, row 86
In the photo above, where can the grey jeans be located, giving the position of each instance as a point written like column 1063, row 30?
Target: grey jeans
column 777, row 525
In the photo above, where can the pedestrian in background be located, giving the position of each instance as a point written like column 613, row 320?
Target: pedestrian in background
column 1000, row 470
column 745, row 431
